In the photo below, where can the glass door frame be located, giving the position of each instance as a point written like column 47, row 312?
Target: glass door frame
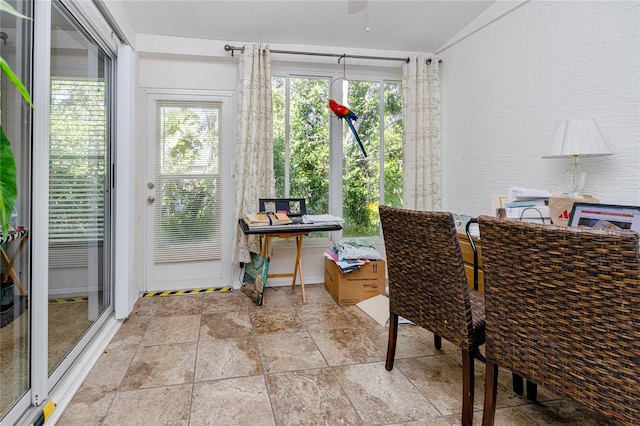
column 41, row 383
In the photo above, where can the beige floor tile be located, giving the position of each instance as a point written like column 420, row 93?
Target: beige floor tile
column 161, row 365
column 274, row 297
column 316, row 295
column 383, row 397
column 87, row 409
column 412, row 342
column 346, row 346
column 222, row 325
column 131, row 331
column 237, row 401
column 165, row 306
column 158, row 406
column 224, row 358
column 251, row 364
column 275, row 319
column 439, row 378
column 359, row 319
column 173, row 329
column 312, row 397
column 561, row 412
column 114, row 360
column 289, row 351
column 213, row 303
column 321, row 317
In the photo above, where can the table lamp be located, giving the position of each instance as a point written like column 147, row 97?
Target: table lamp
column 576, row 138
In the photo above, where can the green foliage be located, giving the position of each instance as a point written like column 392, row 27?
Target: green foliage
column 8, row 187
column 309, row 149
column 189, row 164
column 15, row 80
column 188, row 209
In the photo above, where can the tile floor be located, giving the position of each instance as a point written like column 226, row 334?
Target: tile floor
column 217, row 359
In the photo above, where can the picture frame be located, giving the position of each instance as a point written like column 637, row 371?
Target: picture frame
column 255, row 278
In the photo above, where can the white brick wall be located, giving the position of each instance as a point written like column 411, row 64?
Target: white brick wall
column 505, row 86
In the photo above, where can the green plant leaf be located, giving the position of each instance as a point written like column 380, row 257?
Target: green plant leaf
column 15, row 80
column 8, row 187
column 6, row 7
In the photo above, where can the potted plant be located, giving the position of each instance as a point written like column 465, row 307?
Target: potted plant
column 8, row 186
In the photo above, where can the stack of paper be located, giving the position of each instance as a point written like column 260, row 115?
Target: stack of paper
column 527, row 204
column 322, row 218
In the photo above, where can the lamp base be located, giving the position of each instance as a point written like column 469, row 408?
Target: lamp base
column 576, row 179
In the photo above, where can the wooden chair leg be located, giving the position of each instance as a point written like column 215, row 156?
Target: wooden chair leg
column 467, row 387
column 437, row 341
column 518, row 384
column 532, row 390
column 490, row 393
column 393, row 337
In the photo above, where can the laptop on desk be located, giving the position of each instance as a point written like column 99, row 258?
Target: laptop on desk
column 295, row 208
column 605, row 216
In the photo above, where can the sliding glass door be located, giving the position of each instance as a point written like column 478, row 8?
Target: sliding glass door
column 56, row 258
column 15, row 254
column 79, row 185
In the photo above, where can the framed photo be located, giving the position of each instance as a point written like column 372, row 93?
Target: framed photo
column 255, row 278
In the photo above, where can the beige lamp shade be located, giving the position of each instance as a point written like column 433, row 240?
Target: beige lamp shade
column 577, row 137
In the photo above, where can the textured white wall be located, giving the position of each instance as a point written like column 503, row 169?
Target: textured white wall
column 505, row 86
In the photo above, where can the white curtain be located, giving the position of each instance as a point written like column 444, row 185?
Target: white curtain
column 253, row 162
column 421, row 139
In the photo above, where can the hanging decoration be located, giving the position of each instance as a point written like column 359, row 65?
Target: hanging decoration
column 349, row 116
column 342, row 111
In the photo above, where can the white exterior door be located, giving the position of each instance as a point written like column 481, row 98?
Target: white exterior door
column 187, row 193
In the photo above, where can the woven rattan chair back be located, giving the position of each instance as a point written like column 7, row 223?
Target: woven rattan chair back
column 563, row 310
column 428, row 286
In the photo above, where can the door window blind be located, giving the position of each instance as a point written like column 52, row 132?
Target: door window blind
column 77, row 161
column 187, row 208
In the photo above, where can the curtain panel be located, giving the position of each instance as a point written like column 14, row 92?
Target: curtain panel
column 421, row 139
column 253, row 163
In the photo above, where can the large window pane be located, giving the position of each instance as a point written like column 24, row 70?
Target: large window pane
column 188, row 213
column 302, row 154
column 361, row 175
column 15, row 253
column 302, row 144
column 392, row 145
column 79, row 185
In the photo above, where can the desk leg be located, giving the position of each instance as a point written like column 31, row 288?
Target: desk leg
column 298, row 268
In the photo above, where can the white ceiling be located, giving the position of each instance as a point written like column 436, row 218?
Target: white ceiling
column 412, row 26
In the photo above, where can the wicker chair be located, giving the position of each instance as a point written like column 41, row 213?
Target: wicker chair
column 563, row 310
column 428, row 286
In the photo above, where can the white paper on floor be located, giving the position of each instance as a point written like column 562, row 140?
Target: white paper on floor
column 377, row 307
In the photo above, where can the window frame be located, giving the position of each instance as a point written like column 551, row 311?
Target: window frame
column 378, row 74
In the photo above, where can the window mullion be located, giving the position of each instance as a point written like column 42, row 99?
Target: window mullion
column 287, row 137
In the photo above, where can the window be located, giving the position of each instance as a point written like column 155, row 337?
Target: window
column 187, row 224
column 77, row 161
column 304, row 141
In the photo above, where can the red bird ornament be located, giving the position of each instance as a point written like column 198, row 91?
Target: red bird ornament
column 349, row 116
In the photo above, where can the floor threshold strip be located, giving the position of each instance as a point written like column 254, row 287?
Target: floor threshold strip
column 179, row 292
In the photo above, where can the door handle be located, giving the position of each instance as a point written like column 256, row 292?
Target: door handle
column 151, row 199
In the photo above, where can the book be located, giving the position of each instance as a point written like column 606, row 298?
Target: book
column 262, row 219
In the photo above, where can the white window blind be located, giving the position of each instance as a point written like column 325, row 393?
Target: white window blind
column 77, row 161
column 187, row 207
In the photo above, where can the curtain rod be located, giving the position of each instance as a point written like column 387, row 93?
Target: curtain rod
column 232, row 49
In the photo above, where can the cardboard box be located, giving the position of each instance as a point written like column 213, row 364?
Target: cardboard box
column 355, row 286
